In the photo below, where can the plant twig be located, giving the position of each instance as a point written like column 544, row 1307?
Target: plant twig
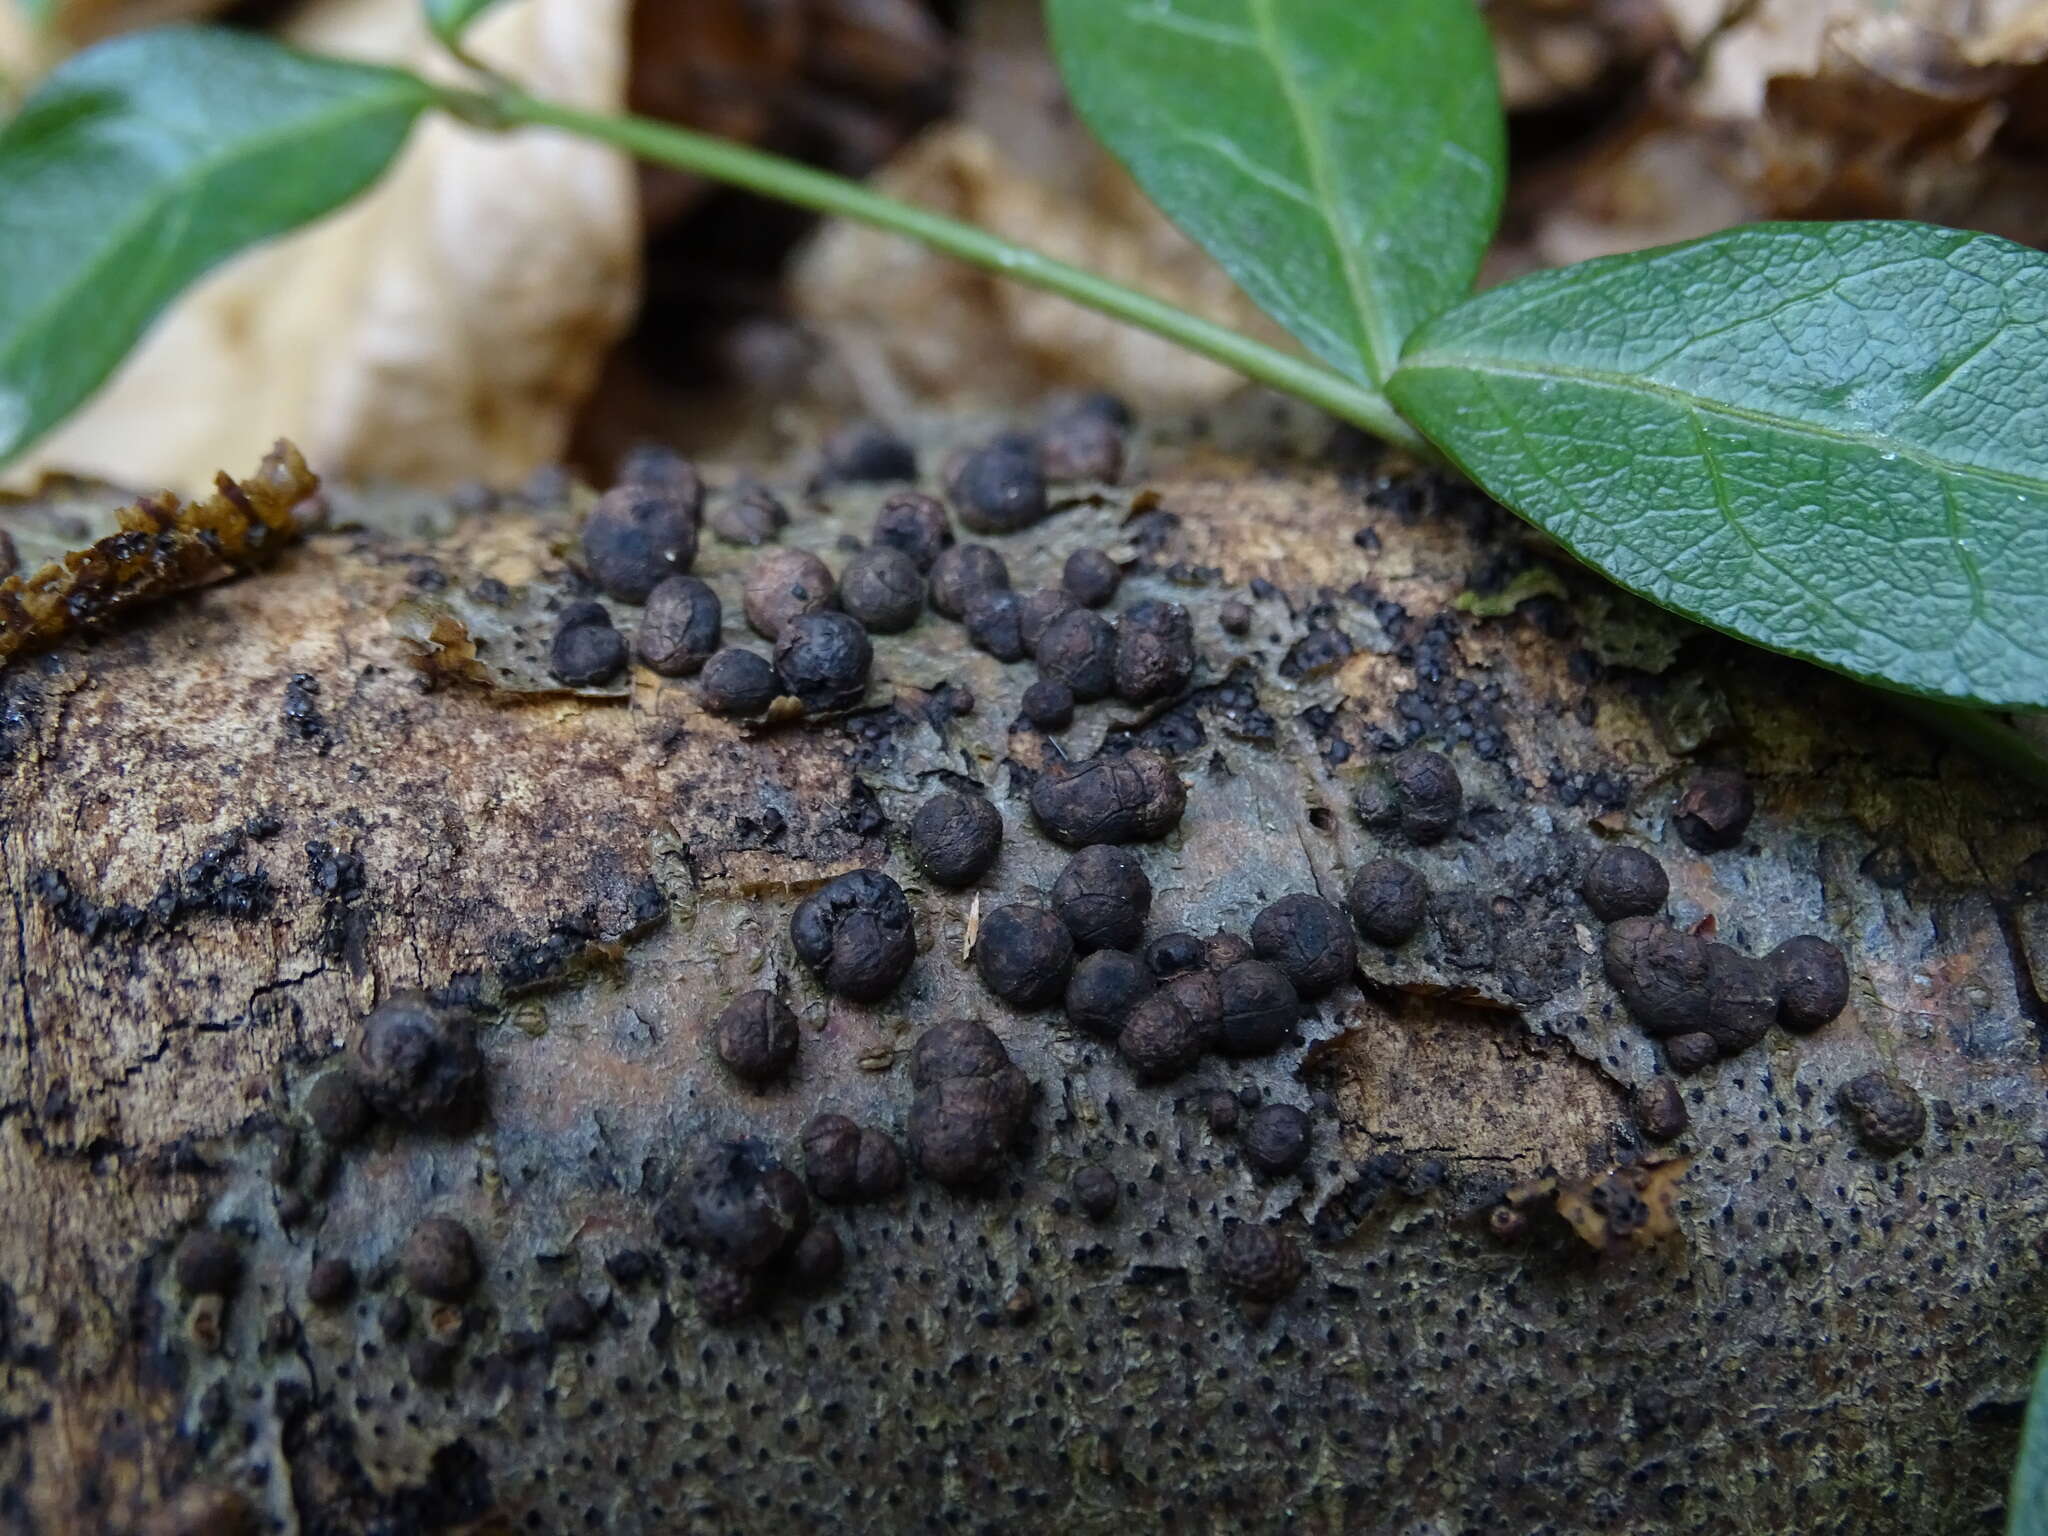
column 787, row 181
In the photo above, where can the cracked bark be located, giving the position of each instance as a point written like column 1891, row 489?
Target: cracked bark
column 1838, row 1342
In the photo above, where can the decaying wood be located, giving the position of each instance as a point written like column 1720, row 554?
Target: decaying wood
column 230, row 828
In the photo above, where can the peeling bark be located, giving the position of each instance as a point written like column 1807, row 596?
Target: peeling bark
column 213, row 868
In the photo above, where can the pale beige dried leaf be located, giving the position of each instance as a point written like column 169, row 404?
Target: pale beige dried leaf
column 444, row 327
column 1015, row 160
column 983, row 342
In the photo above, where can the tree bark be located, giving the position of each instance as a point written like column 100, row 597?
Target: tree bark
column 213, row 870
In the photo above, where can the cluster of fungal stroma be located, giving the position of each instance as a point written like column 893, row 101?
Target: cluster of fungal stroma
column 1162, row 1003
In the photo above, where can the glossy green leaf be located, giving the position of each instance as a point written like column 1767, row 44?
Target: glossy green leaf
column 1829, row 439
column 1342, row 159
column 451, row 18
column 2027, row 1508
column 144, row 162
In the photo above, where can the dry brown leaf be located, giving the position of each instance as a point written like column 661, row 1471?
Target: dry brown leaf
column 444, row 327
column 1921, row 109
column 1016, row 161
column 983, row 342
column 1550, row 51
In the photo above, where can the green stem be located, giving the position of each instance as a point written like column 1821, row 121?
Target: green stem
column 789, row 182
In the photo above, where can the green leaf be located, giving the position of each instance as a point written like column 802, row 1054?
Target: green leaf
column 451, row 18
column 2027, row 1512
column 1829, row 439
column 42, row 12
column 1341, row 159
column 144, row 162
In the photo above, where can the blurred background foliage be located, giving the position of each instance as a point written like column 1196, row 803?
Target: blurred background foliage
column 504, row 304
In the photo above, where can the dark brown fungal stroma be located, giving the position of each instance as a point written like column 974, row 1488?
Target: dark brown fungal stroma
column 1886, row 1112
column 1742, row 999
column 1085, row 440
column 1659, row 1110
column 1048, row 704
column 1094, row 1190
column 866, row 453
column 845, row 1162
column 337, row 1109
column 736, row 1205
column 856, row 934
column 569, row 1316
column 1257, row 1262
column 1104, row 898
column 738, row 682
column 1276, row 1139
column 1079, row 649
column 1715, row 809
column 586, row 652
column 748, row 515
column 330, row 1283
column 955, row 837
column 728, row 1295
column 999, row 488
column 1172, row 954
column 439, row 1259
column 915, row 524
column 960, row 572
column 1091, row 578
column 1103, row 990
column 972, row 1103
column 756, row 1037
column 995, row 623
column 208, row 1264
column 1155, row 652
column 1388, row 900
column 1160, row 1040
column 1309, row 940
column 1812, row 979
column 784, row 584
column 1418, row 793
column 1130, row 797
column 639, row 535
column 824, row 660
column 680, row 627
column 1260, row 1008
column 1200, row 994
column 1624, row 882
column 1223, row 949
column 817, row 1258
column 883, row 588
column 1660, row 973
column 1038, row 609
column 1024, row 955
column 1692, row 1052
column 418, row 1064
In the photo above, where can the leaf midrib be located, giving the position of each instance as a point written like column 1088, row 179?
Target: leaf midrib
column 1381, row 353
column 1630, row 383
column 151, row 208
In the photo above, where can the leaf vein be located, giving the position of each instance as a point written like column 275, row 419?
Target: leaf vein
column 1265, row 176
column 1381, row 353
column 1627, row 383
